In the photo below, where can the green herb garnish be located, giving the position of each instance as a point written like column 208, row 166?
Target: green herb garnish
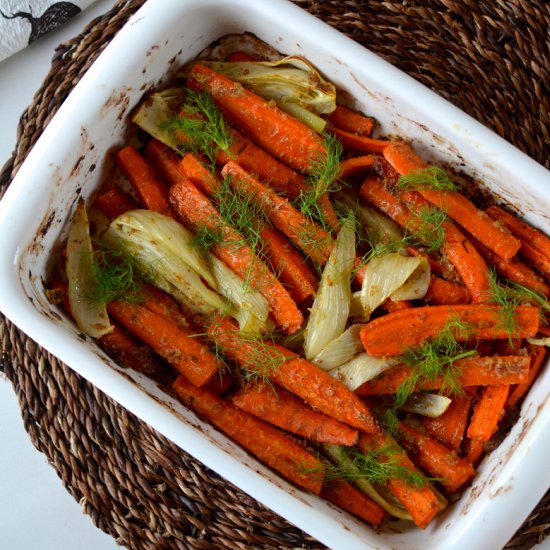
column 433, row 178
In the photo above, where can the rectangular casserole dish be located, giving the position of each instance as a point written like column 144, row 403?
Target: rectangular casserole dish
column 67, row 163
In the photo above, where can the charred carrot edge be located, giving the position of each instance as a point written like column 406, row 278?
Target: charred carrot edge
column 149, row 187
column 436, row 459
column 278, row 407
column 192, row 168
column 314, row 241
column 488, row 410
column 421, row 502
column 475, row 371
column 351, row 121
column 115, row 202
column 267, row 168
column 521, row 230
column 450, row 427
column 196, row 210
column 189, row 356
column 404, row 160
column 123, row 349
column 360, row 143
column 352, row 500
column 418, row 324
column 355, row 165
column 300, row 377
column 442, row 292
column 514, row 269
column 461, row 253
column 280, row 134
column 537, row 360
column 473, row 449
column 290, row 266
column 266, row 442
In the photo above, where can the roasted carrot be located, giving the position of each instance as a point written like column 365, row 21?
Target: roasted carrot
column 266, row 442
column 352, row 500
column 415, row 326
column 442, row 292
column 174, row 344
column 390, row 306
column 289, row 265
column 360, row 143
column 314, row 241
column 162, row 304
column 474, row 371
column 421, row 502
column 272, row 129
column 165, row 161
column 300, row 377
column 192, row 168
column 450, row 427
column 148, row 185
column 351, row 121
column 278, row 407
column 436, row 459
column 115, row 202
column 404, row 160
column 538, row 355
column 374, row 191
column 196, row 210
column 356, row 165
column 488, row 410
column 522, row 230
column 123, row 349
column 473, row 449
column 221, row 384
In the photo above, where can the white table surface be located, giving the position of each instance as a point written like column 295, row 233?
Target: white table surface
column 35, row 510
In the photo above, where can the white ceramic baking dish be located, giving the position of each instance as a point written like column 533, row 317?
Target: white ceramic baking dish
column 67, row 162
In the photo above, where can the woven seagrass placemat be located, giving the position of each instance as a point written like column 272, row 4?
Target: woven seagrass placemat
column 490, row 57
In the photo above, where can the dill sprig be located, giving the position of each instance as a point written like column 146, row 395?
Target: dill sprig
column 432, row 177
column 205, row 237
column 427, row 227
column 202, row 124
column 377, row 466
column 434, row 359
column 508, row 295
column 323, row 177
column 117, row 275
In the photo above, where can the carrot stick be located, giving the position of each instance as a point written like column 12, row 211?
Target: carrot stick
column 177, row 346
column 115, row 202
column 390, row 306
column 442, row 292
column 162, row 304
column 314, row 241
column 521, row 230
column 421, row 502
column 267, row 168
column 356, row 165
column 351, row 121
column 266, row 442
column 280, row 134
column 473, row 449
column 128, row 353
column 286, row 261
column 415, row 326
column 404, row 160
column 474, row 371
column 436, row 459
column 300, row 377
column 488, row 411
column 360, row 143
column 192, row 168
column 538, row 355
column 220, row 384
column 352, row 500
column 282, row 409
column 150, row 188
column 196, row 210
column 449, row 428
column 374, row 191
column 165, row 160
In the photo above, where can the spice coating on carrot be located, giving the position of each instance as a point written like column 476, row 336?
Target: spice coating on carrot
column 284, row 410
column 488, row 411
column 356, row 165
column 442, row 292
column 417, row 325
column 351, row 121
column 538, row 355
column 277, row 132
column 177, row 346
column 115, row 202
column 270, row 445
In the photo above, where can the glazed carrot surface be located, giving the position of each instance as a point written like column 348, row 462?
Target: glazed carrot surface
column 331, row 301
